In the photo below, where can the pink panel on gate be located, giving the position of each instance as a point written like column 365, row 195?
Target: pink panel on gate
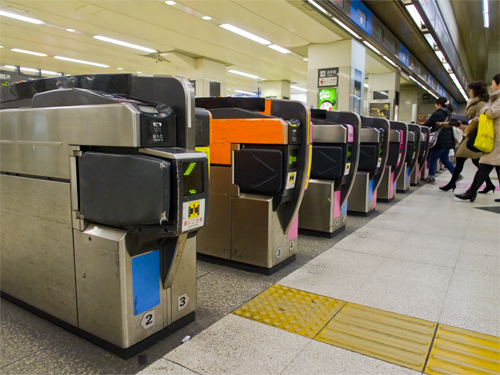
column 311, row 132
column 391, row 188
column 350, row 133
column 294, row 229
column 336, row 205
column 374, row 199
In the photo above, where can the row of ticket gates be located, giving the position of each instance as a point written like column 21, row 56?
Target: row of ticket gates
column 103, row 197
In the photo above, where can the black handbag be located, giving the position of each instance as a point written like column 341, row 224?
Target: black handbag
column 470, row 142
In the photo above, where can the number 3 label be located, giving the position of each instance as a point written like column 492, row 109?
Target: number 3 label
column 148, row 319
column 182, row 301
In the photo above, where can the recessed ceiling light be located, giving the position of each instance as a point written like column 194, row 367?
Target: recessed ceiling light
column 207, row 18
column 28, row 52
column 170, row 2
column 71, row 30
column 119, row 68
column 243, row 74
column 130, row 45
column 81, row 61
column 139, row 72
column 244, row 33
column 305, row 59
column 298, row 88
column 21, row 18
column 279, row 49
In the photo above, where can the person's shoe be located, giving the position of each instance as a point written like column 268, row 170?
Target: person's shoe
column 487, row 189
column 431, row 181
column 449, row 186
column 460, row 178
column 466, row 196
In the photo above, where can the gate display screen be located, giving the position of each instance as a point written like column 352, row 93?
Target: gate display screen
column 193, row 178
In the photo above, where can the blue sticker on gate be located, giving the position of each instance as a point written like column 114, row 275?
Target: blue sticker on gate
column 146, row 281
column 408, row 174
column 370, row 191
column 344, row 208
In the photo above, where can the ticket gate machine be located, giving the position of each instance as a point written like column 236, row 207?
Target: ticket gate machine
column 259, row 158
column 101, row 200
column 374, row 150
column 398, row 139
column 423, row 168
column 412, row 153
column 335, row 155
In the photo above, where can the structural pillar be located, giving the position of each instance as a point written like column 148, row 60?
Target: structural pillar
column 276, row 89
column 347, row 59
column 208, row 77
column 384, row 100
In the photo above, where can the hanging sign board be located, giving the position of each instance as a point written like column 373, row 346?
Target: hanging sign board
column 328, row 77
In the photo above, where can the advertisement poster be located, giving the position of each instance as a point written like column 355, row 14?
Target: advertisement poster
column 327, row 99
column 380, row 110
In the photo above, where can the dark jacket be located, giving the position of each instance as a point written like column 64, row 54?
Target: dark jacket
column 445, row 140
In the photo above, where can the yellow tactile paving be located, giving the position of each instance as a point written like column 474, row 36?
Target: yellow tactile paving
column 291, row 310
column 391, row 337
column 457, row 351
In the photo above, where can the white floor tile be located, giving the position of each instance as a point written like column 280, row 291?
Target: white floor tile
column 380, row 234
column 426, row 254
column 473, row 284
column 480, row 247
column 479, row 263
column 163, row 366
column 367, row 245
column 433, row 240
column 402, row 298
column 237, row 345
column 322, row 359
column 322, row 280
column 338, row 260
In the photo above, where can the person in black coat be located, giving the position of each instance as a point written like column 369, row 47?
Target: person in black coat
column 445, row 141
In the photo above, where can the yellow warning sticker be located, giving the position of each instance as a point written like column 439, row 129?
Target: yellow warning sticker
column 290, row 181
column 193, row 214
column 347, row 169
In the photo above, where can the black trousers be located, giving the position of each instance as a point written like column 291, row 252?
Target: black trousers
column 459, row 166
column 482, row 173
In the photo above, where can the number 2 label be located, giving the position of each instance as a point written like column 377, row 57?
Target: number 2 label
column 148, row 319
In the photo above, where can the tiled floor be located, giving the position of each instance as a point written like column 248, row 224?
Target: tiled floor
column 427, row 255
column 430, row 256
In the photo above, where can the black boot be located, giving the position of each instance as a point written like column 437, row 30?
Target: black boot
column 449, row 186
column 487, row 189
column 466, row 196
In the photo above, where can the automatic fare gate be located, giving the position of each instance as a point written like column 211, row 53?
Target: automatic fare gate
column 374, row 150
column 100, row 203
column 335, row 155
column 398, row 138
column 259, row 158
column 411, row 160
column 422, row 171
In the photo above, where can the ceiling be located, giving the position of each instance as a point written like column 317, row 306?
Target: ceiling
column 179, row 28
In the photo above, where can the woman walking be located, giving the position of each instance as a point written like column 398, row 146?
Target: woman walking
column 445, row 140
column 492, row 159
column 478, row 98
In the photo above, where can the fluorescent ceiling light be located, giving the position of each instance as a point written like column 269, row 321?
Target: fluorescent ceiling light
column 246, row 92
column 119, row 68
column 10, row 67
column 71, row 30
column 279, row 49
column 50, row 72
column 28, row 52
column 372, row 47
column 390, row 61
column 170, row 2
column 430, row 40
column 440, row 56
column 486, row 15
column 416, row 16
column 346, row 28
column 243, row 74
column 246, row 34
column 367, row 85
column 317, row 6
column 305, row 59
column 81, row 61
column 298, row 88
column 1, row 46
column 207, row 18
column 139, row 72
column 21, row 18
column 130, row 45
column 447, row 67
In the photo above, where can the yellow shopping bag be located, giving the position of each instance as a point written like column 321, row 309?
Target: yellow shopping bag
column 485, row 134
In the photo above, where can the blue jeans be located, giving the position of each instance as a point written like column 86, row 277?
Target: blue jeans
column 442, row 155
